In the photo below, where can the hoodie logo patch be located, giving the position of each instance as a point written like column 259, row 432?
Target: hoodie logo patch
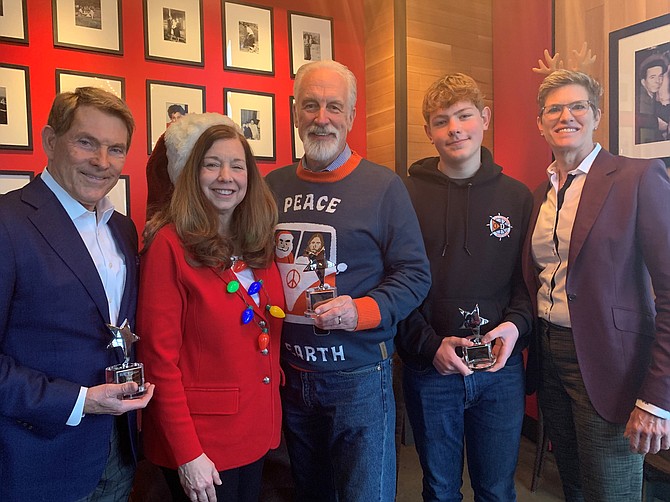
column 499, row 226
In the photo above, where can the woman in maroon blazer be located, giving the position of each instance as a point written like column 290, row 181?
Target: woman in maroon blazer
column 599, row 240
column 209, row 316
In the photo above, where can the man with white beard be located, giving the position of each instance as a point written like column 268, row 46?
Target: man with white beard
column 339, row 412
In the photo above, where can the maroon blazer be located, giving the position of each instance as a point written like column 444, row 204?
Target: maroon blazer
column 620, row 239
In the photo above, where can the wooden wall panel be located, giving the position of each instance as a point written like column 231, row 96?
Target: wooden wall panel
column 442, row 37
column 380, row 81
column 591, row 21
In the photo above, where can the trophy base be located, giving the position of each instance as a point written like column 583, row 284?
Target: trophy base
column 478, row 357
column 127, row 372
column 314, row 296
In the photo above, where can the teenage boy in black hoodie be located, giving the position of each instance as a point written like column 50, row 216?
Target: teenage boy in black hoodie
column 473, row 219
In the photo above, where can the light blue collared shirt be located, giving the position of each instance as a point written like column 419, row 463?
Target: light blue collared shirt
column 339, row 161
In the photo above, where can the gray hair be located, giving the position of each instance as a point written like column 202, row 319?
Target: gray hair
column 561, row 78
column 338, row 68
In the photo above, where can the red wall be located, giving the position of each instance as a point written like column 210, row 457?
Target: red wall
column 43, row 59
column 521, row 32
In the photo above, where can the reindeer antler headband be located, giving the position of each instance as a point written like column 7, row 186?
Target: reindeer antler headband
column 581, row 61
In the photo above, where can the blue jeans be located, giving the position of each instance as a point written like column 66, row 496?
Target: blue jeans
column 340, row 433
column 486, row 409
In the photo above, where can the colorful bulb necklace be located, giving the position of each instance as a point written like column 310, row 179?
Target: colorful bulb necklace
column 233, row 287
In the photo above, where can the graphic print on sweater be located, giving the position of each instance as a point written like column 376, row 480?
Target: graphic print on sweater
column 294, row 243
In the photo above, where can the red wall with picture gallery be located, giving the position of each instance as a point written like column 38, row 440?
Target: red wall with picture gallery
column 43, row 59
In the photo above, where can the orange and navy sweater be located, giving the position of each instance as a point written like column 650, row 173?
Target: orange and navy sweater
column 365, row 220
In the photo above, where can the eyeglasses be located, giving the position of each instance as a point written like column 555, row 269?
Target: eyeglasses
column 577, row 108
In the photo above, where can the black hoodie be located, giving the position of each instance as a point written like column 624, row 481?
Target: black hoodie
column 473, row 230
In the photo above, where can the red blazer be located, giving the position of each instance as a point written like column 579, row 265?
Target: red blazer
column 212, row 389
column 620, row 238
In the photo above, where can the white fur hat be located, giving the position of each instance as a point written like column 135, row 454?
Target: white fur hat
column 181, row 136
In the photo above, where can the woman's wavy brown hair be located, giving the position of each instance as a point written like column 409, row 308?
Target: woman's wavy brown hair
column 251, row 232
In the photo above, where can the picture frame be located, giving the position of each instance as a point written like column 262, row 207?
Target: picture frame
column 174, row 35
column 90, row 25
column 13, row 180
column 248, row 41
column 15, row 124
column 254, row 112
column 636, row 129
column 69, row 80
column 297, row 148
column 13, row 21
column 120, row 195
column 164, row 100
column 310, row 39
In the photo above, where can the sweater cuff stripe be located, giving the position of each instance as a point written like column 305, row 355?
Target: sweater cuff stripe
column 369, row 315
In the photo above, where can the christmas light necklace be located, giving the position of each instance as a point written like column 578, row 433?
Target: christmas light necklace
column 233, row 287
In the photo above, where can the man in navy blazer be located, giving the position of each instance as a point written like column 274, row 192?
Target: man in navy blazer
column 68, row 269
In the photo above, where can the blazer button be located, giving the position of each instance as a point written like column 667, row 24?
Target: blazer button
column 572, row 297
column 262, row 324
column 266, row 380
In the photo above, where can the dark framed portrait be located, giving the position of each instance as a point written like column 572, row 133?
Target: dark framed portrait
column 640, row 89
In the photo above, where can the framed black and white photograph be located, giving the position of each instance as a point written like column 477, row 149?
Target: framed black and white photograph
column 15, row 124
column 13, row 21
column 93, row 25
column 13, row 180
column 310, row 39
column 69, row 80
column 173, row 31
column 254, row 112
column 120, row 195
column 247, row 38
column 167, row 102
column 640, row 89
column 296, row 143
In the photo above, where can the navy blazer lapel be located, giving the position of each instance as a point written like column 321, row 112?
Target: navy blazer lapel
column 125, row 244
column 596, row 187
column 52, row 221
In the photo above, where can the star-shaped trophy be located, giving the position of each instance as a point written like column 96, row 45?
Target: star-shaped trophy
column 126, row 371
column 479, row 356
column 323, row 292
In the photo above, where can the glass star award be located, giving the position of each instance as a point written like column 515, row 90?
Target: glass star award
column 479, row 355
column 323, row 292
column 125, row 371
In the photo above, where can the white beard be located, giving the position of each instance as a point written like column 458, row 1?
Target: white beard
column 319, row 150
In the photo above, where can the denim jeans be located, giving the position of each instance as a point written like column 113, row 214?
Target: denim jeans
column 486, row 409
column 339, row 428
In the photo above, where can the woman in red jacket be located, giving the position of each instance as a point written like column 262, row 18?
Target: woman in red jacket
column 209, row 316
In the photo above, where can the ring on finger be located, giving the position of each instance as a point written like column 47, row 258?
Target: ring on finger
column 339, row 319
